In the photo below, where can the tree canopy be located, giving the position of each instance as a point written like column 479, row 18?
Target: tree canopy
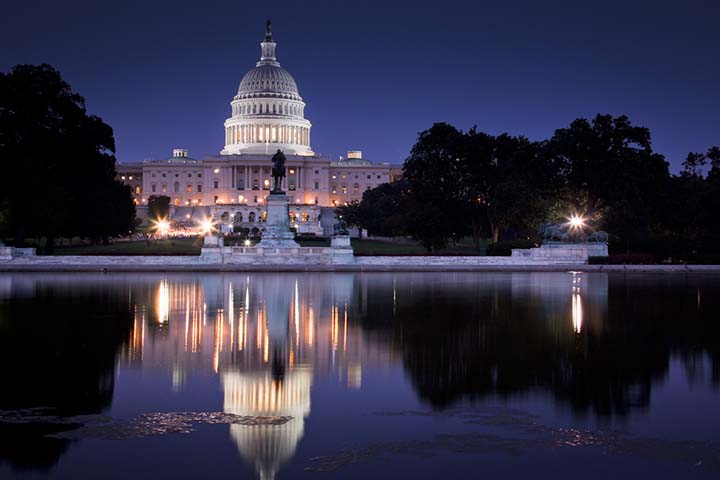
column 503, row 187
column 58, row 161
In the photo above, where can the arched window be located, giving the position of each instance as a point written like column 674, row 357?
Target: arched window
column 356, row 188
column 225, row 216
column 305, row 216
column 251, row 217
column 176, row 187
column 238, row 217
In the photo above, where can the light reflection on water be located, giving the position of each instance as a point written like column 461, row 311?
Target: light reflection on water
column 597, row 345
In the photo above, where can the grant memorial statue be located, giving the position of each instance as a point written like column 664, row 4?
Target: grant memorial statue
column 278, row 171
column 277, row 232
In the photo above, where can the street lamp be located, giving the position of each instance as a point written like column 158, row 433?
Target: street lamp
column 207, row 226
column 576, row 222
column 162, row 227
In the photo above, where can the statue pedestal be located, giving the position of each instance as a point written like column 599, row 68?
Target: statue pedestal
column 277, row 223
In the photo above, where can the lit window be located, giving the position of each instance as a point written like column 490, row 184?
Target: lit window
column 292, row 171
column 188, row 188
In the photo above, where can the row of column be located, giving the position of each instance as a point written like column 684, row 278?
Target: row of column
column 267, row 133
column 247, row 175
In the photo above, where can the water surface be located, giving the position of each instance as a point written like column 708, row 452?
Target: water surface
column 359, row 375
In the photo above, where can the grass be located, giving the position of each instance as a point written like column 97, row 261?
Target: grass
column 191, row 246
column 366, row 246
column 167, row 246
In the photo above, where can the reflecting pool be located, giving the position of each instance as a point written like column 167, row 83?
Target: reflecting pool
column 382, row 375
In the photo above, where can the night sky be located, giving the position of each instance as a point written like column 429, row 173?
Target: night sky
column 374, row 74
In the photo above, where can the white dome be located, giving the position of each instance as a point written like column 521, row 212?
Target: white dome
column 268, row 81
column 268, row 110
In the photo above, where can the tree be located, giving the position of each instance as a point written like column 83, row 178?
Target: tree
column 158, row 207
column 475, row 183
column 436, row 198
column 380, row 212
column 511, row 183
column 58, row 161
column 610, row 162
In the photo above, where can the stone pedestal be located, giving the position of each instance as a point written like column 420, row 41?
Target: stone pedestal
column 212, row 249
column 277, row 223
column 563, row 252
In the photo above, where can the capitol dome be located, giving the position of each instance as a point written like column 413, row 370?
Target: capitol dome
column 268, row 111
column 268, row 80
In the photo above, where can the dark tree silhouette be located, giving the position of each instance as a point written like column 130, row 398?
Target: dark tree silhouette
column 158, row 207
column 58, row 161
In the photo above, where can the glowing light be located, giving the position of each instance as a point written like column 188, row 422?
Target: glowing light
column 577, row 309
column 163, row 302
column 161, row 226
column 217, row 170
column 576, row 222
column 207, row 226
column 247, row 242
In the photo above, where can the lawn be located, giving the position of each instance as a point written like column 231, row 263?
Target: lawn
column 167, row 246
column 191, row 246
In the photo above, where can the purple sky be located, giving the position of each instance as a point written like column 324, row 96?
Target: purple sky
column 374, row 74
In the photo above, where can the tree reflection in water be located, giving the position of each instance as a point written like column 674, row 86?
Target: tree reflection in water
column 58, row 345
column 597, row 342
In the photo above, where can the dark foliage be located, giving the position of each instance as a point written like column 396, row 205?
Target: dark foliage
column 502, row 187
column 58, row 162
column 504, row 249
column 158, row 207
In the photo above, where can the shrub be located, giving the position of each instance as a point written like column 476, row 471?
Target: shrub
column 504, row 248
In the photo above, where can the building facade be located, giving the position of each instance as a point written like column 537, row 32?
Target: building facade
column 267, row 115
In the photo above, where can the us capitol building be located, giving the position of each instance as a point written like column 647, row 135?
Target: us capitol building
column 268, row 114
